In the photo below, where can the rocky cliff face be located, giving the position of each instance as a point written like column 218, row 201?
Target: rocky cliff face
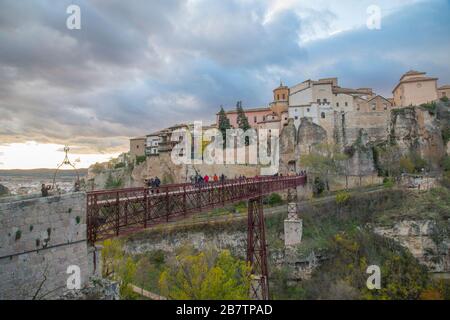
column 422, row 239
column 288, row 147
column 415, row 129
column 309, row 134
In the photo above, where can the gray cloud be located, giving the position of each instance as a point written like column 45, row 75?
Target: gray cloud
column 137, row 66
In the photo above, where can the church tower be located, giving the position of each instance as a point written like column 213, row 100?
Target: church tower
column 280, row 102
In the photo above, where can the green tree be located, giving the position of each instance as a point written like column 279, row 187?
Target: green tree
column 325, row 160
column 389, row 157
column 112, row 254
column 205, row 275
column 113, row 183
column 224, row 124
column 242, row 120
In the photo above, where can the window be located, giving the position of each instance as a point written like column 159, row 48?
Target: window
column 296, row 117
column 254, row 119
column 278, row 97
column 374, row 107
column 264, row 118
column 324, row 100
column 322, row 115
column 284, row 96
column 307, row 109
column 285, row 118
column 318, row 101
column 385, row 106
column 346, row 104
column 337, row 104
column 357, row 107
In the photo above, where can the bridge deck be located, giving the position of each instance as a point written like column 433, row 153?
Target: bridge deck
column 112, row 213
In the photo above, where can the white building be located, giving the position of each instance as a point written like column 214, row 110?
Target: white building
column 152, row 144
column 317, row 100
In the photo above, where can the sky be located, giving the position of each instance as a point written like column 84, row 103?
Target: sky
column 138, row 66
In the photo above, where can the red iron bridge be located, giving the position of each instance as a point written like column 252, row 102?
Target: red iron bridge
column 119, row 212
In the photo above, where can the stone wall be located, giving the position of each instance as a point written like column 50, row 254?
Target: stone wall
column 39, row 239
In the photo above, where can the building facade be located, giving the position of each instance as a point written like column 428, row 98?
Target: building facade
column 415, row 88
column 152, row 144
column 444, row 91
column 137, row 147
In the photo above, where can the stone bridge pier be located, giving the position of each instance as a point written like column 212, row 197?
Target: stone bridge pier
column 41, row 239
column 293, row 225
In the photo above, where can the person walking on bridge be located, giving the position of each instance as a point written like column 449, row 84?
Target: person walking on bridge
column 215, row 178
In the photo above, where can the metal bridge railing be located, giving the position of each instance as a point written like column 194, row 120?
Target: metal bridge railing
column 112, row 213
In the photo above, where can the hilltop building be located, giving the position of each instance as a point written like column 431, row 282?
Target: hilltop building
column 341, row 112
column 444, row 91
column 415, row 88
column 137, row 147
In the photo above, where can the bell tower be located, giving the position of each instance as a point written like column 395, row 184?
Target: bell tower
column 280, row 99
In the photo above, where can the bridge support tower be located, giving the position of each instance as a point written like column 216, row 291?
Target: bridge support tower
column 293, row 226
column 257, row 250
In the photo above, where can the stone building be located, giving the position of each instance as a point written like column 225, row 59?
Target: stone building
column 137, row 147
column 152, row 143
column 444, row 91
column 415, row 88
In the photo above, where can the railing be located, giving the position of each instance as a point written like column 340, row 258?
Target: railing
column 112, row 213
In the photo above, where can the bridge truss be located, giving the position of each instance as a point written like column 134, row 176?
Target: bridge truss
column 119, row 212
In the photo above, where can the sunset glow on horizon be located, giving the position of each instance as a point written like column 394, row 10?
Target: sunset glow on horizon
column 34, row 155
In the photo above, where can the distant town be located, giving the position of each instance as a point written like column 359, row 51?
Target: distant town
column 321, row 101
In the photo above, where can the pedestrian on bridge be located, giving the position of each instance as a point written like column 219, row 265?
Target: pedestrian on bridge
column 157, row 182
column 215, row 178
column 206, row 178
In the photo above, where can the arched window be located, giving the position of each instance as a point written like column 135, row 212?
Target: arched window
column 322, row 115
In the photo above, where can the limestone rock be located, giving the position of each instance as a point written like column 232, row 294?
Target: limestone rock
column 4, row 191
column 309, row 134
column 417, row 237
column 415, row 129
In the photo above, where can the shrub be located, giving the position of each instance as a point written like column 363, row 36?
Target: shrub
column 274, row 199
column 444, row 99
column 140, row 159
column 431, row 107
column 113, row 183
column 446, row 134
column 388, row 182
column 318, row 186
column 406, row 165
column 119, row 165
column 445, row 163
column 342, row 197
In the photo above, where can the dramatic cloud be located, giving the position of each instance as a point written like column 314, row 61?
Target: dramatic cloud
column 137, row 66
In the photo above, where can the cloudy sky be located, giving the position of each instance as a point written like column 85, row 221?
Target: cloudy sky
column 137, row 66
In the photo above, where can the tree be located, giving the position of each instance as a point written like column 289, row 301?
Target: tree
column 224, row 124
column 112, row 254
column 242, row 120
column 324, row 159
column 389, row 159
column 205, row 275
